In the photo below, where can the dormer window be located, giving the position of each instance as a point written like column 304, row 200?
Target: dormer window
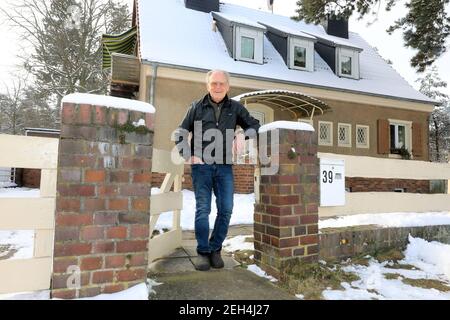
column 243, row 38
column 347, row 63
column 295, row 47
column 299, row 57
column 301, row 54
column 249, row 44
column 247, row 48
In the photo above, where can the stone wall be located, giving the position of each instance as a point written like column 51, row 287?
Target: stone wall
column 342, row 243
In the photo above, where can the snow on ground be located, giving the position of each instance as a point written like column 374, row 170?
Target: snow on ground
column 244, row 208
column 395, row 219
column 424, row 254
column 7, row 184
column 137, row 292
column 21, row 241
column 35, row 295
column 432, row 260
column 242, row 211
column 19, row 193
column 238, row 243
column 259, row 272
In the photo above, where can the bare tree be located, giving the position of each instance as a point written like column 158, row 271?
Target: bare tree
column 62, row 43
column 439, row 121
column 11, row 108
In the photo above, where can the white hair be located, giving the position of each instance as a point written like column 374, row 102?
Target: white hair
column 225, row 73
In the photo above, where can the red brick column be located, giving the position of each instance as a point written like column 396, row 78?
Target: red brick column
column 286, row 217
column 103, row 200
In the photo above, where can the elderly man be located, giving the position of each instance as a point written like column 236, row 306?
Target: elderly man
column 213, row 120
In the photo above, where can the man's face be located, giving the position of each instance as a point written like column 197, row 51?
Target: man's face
column 218, row 86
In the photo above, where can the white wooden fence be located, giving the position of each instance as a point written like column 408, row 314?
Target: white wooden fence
column 30, row 213
column 165, row 201
column 381, row 202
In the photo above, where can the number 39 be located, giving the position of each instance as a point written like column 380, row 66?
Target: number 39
column 327, row 176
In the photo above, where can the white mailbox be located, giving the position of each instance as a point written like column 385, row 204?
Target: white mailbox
column 332, row 182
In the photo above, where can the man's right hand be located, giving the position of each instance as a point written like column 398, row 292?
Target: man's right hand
column 196, row 160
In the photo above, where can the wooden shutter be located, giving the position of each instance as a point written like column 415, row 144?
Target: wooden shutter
column 383, row 136
column 417, row 139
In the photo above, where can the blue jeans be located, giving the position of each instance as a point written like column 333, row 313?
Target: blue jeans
column 208, row 178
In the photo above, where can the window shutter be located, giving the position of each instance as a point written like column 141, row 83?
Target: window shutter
column 383, row 136
column 417, row 139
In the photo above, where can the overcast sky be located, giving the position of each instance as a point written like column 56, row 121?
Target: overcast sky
column 390, row 47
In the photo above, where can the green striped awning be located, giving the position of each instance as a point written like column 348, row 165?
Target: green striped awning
column 124, row 43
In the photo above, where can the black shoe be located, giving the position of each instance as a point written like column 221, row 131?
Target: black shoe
column 201, row 262
column 216, row 260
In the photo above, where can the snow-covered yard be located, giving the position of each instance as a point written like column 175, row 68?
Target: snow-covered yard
column 138, row 292
column 430, row 260
column 243, row 214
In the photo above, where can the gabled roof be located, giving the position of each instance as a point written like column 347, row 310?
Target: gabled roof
column 174, row 35
column 234, row 19
column 287, row 31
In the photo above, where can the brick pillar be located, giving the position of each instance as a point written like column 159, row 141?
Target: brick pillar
column 103, row 200
column 286, row 216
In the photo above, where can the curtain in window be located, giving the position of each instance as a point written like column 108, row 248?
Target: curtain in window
column 247, row 48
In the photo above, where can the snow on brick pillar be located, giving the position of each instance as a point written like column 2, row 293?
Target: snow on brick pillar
column 103, row 195
column 286, row 216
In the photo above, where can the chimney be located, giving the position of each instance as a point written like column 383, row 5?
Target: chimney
column 336, row 27
column 202, row 5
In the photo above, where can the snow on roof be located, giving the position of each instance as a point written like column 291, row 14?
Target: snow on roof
column 195, row 45
column 286, row 125
column 239, row 19
column 108, row 101
column 290, row 31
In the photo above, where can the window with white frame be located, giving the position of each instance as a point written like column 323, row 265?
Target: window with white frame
column 247, row 48
column 249, row 44
column 344, row 135
column 325, row 133
column 347, row 63
column 258, row 115
column 362, row 136
column 400, row 135
column 301, row 54
column 246, row 151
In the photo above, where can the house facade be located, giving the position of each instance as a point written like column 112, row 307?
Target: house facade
column 280, row 70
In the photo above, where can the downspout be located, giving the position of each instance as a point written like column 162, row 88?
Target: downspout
column 153, row 82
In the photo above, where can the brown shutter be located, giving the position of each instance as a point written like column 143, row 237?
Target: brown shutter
column 417, row 139
column 383, row 136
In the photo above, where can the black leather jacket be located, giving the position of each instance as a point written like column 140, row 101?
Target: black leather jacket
column 202, row 112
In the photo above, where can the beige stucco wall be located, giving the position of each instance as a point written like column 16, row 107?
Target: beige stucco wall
column 176, row 89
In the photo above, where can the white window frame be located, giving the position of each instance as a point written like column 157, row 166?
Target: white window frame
column 354, row 55
column 367, row 144
column 309, row 46
column 256, row 35
column 259, row 115
column 349, row 130
column 323, row 142
column 408, row 133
